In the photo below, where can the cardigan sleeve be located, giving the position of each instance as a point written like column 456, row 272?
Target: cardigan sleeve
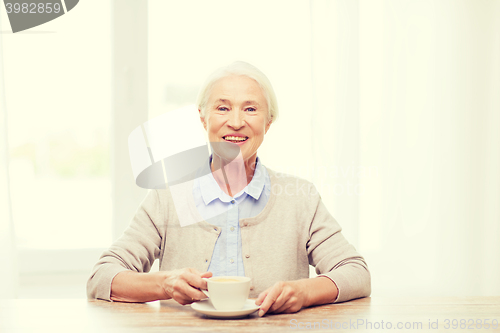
column 333, row 257
column 135, row 250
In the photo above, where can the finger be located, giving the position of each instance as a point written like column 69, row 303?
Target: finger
column 193, row 271
column 285, row 308
column 189, row 275
column 262, row 296
column 189, row 294
column 205, row 276
column 197, row 295
column 184, row 290
column 279, row 302
column 184, row 299
column 269, row 300
column 195, row 280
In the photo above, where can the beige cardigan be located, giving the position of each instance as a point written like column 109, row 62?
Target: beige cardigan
column 293, row 231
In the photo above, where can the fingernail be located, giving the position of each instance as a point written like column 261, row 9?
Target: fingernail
column 261, row 313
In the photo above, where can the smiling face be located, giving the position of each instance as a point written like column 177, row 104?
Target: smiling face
column 237, row 112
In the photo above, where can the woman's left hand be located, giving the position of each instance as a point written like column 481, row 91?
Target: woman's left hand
column 283, row 297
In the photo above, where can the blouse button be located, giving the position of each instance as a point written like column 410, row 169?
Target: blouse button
column 247, row 256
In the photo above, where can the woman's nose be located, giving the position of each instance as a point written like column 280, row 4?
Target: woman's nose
column 236, row 119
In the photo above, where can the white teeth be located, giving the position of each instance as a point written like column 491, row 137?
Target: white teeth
column 234, row 138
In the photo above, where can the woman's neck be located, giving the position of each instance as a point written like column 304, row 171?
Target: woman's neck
column 233, row 176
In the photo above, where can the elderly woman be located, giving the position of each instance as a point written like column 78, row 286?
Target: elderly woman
column 256, row 222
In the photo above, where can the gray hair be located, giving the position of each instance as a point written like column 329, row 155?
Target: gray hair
column 244, row 69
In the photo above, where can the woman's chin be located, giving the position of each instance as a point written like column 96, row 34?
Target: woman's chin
column 225, row 150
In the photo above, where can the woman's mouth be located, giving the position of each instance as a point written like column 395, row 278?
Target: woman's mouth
column 235, row 139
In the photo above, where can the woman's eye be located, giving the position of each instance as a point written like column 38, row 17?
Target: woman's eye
column 222, row 108
column 250, row 109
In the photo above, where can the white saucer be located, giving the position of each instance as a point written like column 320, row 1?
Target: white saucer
column 207, row 308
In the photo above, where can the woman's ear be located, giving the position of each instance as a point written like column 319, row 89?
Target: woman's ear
column 202, row 119
column 268, row 125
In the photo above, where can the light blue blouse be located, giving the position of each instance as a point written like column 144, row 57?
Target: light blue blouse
column 221, row 210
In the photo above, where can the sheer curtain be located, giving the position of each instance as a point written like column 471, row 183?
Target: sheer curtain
column 429, row 121
column 335, row 114
column 405, row 139
column 8, row 277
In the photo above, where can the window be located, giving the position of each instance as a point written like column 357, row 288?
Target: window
column 58, row 94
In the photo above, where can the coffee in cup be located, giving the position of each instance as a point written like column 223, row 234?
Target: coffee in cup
column 224, row 279
column 228, row 292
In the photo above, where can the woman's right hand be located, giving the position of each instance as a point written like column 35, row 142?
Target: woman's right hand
column 184, row 285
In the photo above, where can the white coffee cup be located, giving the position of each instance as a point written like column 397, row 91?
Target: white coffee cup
column 228, row 292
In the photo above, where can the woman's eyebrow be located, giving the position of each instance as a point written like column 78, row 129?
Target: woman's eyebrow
column 250, row 102
column 221, row 100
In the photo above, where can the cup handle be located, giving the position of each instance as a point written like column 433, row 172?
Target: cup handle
column 205, row 291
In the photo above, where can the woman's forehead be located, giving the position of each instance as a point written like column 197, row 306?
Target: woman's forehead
column 236, row 89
